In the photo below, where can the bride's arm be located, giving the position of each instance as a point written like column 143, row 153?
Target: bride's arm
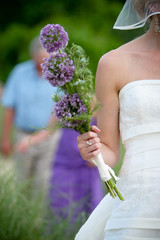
column 107, row 87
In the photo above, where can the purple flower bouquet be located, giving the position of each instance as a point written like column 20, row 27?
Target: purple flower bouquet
column 67, row 69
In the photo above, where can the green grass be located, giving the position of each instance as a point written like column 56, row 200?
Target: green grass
column 22, row 218
column 19, row 217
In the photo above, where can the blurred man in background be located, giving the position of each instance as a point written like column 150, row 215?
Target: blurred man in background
column 27, row 99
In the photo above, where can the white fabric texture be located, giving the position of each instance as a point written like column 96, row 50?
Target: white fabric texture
column 138, row 217
column 135, row 13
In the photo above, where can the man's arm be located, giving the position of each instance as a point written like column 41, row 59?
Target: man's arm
column 6, row 145
column 37, row 137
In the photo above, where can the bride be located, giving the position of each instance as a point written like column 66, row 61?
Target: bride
column 128, row 87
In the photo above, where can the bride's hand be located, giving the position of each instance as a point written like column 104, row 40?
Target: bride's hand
column 89, row 144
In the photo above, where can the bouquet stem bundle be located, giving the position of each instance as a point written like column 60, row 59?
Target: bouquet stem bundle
column 108, row 176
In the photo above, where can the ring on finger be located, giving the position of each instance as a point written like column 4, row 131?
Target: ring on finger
column 88, row 143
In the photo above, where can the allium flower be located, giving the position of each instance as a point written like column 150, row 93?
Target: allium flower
column 58, row 69
column 69, row 106
column 53, row 37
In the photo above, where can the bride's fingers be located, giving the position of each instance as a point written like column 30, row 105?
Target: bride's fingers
column 91, row 155
column 94, row 147
column 95, row 129
column 89, row 143
column 89, row 151
column 86, row 136
column 82, row 145
column 92, row 141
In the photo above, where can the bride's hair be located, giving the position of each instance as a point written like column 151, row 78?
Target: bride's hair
column 139, row 6
column 146, row 7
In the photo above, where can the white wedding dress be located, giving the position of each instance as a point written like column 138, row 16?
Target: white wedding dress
column 138, row 217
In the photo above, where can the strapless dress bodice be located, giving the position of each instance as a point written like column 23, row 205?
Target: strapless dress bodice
column 138, row 217
column 140, row 125
column 139, row 108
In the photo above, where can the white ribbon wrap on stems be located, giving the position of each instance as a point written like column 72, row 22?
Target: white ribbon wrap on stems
column 104, row 169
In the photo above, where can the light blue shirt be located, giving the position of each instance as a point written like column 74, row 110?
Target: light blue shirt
column 30, row 96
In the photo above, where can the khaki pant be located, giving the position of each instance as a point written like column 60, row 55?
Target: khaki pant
column 35, row 165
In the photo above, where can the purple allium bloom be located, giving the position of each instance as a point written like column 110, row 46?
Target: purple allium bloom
column 53, row 37
column 69, row 106
column 58, row 69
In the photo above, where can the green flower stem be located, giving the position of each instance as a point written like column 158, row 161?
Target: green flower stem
column 116, row 189
column 118, row 193
column 110, row 190
column 68, row 88
column 113, row 190
column 76, row 63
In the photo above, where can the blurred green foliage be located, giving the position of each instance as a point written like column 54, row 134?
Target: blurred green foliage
column 26, row 218
column 88, row 22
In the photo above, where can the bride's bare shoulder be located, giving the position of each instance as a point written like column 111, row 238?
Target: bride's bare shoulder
column 111, row 58
column 116, row 64
column 120, row 55
column 111, row 66
column 117, row 58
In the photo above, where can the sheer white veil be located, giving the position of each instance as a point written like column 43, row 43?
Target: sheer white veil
column 135, row 13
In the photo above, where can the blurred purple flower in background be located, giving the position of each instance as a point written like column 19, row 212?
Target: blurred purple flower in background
column 53, row 37
column 69, row 106
column 58, row 69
